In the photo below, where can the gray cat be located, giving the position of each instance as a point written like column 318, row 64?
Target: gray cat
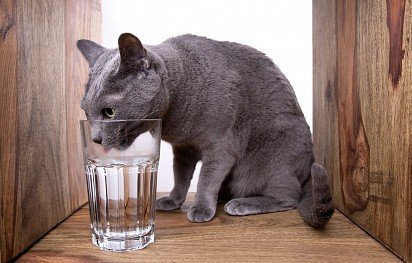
column 221, row 103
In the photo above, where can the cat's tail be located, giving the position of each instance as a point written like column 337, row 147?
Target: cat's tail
column 316, row 206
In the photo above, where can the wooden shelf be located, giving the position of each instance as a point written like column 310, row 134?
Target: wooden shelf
column 275, row 237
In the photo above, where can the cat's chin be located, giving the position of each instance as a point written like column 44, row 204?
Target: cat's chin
column 122, row 146
column 119, row 145
column 119, row 148
column 106, row 149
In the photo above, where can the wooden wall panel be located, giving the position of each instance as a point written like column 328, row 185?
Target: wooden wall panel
column 42, row 162
column 42, row 77
column 76, row 77
column 373, row 96
column 325, row 117
column 8, row 124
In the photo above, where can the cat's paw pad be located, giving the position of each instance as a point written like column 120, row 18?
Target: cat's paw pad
column 198, row 214
column 166, row 203
column 239, row 207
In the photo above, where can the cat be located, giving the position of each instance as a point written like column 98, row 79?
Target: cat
column 222, row 103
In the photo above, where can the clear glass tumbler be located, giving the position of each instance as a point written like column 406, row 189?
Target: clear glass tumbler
column 121, row 159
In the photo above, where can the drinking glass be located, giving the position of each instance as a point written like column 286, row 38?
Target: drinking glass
column 121, row 159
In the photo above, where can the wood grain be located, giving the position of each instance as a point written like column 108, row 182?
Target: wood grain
column 42, row 148
column 8, row 124
column 41, row 175
column 353, row 144
column 374, row 72
column 395, row 20
column 75, row 79
column 325, row 117
column 275, row 237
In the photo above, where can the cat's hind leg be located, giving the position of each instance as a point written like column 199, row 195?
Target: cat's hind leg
column 278, row 198
column 258, row 205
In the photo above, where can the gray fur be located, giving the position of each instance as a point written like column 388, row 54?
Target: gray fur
column 227, row 105
column 90, row 50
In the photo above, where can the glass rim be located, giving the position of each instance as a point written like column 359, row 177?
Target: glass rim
column 122, row 120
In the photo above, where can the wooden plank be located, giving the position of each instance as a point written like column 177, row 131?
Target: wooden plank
column 353, row 144
column 372, row 184
column 325, row 117
column 42, row 77
column 274, row 237
column 42, row 198
column 8, row 124
column 83, row 20
column 385, row 81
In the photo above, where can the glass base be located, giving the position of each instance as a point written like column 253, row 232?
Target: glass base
column 117, row 245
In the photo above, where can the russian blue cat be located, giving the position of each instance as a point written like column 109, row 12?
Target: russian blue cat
column 222, row 103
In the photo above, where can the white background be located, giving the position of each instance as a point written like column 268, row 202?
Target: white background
column 281, row 29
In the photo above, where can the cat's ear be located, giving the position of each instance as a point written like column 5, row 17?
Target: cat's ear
column 132, row 52
column 90, row 50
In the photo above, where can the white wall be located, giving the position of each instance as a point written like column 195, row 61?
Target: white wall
column 281, row 29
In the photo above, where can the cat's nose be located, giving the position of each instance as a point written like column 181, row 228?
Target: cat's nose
column 96, row 136
column 97, row 140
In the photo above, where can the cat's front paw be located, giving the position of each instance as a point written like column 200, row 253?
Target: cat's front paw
column 199, row 213
column 166, row 203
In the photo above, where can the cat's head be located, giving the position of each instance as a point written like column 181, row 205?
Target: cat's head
column 124, row 84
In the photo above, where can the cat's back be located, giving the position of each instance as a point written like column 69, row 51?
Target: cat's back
column 248, row 67
column 194, row 44
column 226, row 55
column 236, row 71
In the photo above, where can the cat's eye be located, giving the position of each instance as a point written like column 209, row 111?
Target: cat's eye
column 109, row 112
